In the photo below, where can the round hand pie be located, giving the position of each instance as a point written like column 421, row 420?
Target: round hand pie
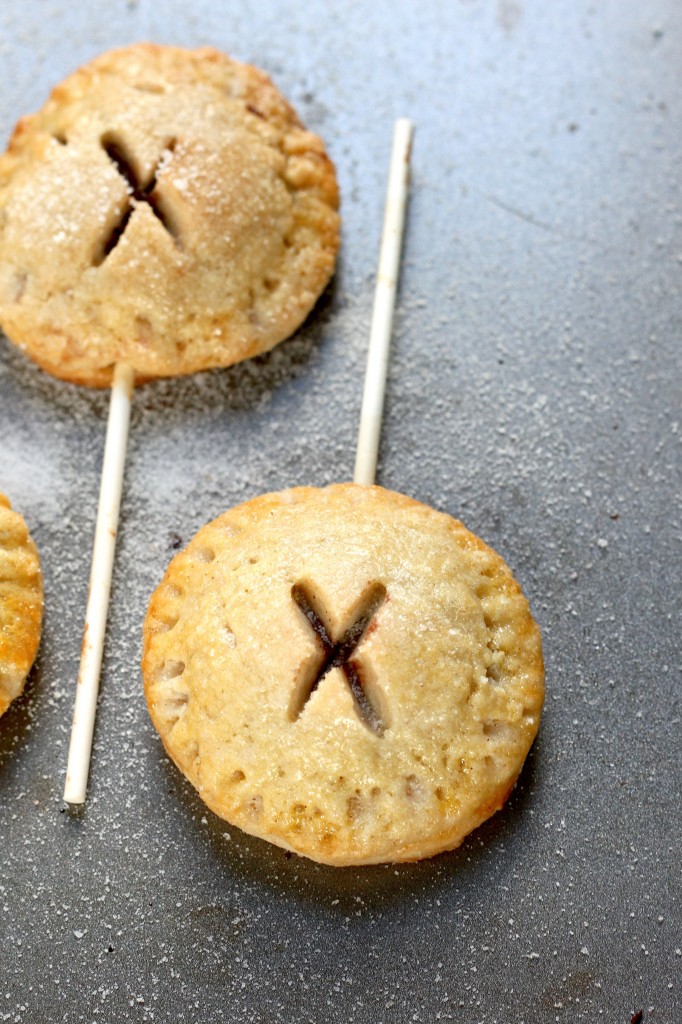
column 344, row 672
column 21, row 603
column 166, row 209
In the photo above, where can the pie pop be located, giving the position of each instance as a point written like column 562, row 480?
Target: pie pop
column 21, row 603
column 164, row 213
column 343, row 671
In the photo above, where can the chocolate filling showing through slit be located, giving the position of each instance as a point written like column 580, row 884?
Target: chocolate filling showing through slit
column 137, row 193
column 339, row 653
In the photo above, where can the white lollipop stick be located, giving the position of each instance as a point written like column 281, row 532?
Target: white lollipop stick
column 78, row 766
column 384, row 304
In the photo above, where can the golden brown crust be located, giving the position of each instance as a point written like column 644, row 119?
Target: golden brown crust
column 165, row 208
column 448, row 660
column 21, row 603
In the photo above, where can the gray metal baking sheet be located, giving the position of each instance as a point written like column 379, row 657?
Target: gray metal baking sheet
column 534, row 392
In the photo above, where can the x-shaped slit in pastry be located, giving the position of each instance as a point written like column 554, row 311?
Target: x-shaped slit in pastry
column 137, row 193
column 339, row 653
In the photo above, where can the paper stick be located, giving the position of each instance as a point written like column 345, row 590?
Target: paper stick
column 384, row 305
column 78, row 766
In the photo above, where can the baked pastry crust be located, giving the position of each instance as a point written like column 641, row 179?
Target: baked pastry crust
column 447, row 654
column 165, row 208
column 21, row 603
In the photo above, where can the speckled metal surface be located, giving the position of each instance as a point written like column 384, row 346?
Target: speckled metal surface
column 534, row 392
